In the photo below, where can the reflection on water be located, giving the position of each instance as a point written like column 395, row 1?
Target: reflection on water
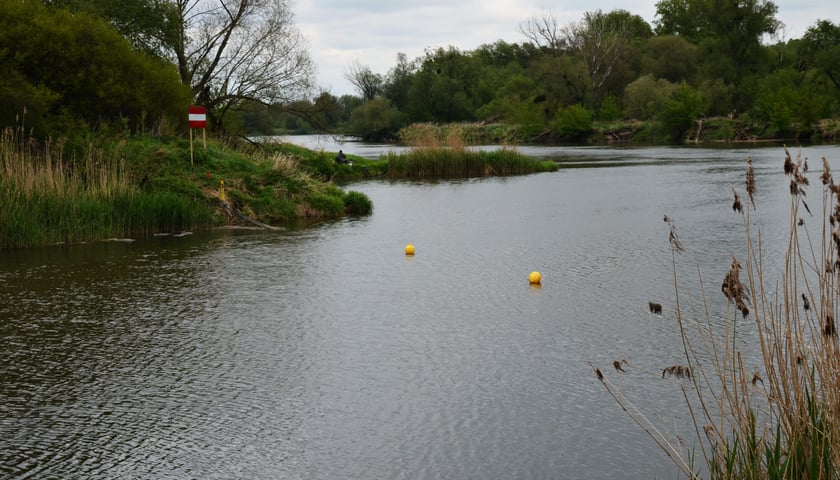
column 327, row 353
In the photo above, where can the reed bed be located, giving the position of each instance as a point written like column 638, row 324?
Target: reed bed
column 48, row 198
column 449, row 157
column 779, row 420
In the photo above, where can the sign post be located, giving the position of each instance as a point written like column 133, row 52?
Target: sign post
column 197, row 117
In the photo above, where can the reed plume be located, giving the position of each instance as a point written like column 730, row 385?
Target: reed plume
column 780, row 420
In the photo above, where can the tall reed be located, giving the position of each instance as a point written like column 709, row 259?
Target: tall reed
column 49, row 198
column 434, row 157
column 779, row 421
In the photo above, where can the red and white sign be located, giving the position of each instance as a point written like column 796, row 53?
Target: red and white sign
column 197, row 117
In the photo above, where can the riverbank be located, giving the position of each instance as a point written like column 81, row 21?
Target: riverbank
column 98, row 187
column 715, row 130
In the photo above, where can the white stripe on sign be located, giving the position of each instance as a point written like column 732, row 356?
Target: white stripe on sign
column 198, row 117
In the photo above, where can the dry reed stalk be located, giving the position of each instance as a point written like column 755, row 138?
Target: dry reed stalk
column 782, row 419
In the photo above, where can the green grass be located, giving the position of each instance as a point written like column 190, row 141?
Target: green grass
column 98, row 187
column 452, row 163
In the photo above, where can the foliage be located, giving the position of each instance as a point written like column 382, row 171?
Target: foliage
column 376, row 120
column 574, row 122
column 75, row 69
column 356, row 203
column 681, row 111
column 610, row 109
column 248, row 63
column 670, row 57
column 645, row 97
column 605, row 42
column 136, row 186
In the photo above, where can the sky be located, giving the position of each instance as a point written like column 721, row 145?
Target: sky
column 371, row 33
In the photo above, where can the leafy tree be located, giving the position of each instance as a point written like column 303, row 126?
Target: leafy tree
column 610, row 108
column 563, row 80
column 328, row 112
column 150, row 25
column 791, row 101
column 368, row 83
column 671, row 57
column 227, row 51
column 398, row 81
column 78, row 65
column 821, row 49
column 646, row 96
column 718, row 97
column 376, row 120
column 728, row 32
column 441, row 90
column 514, row 103
column 606, row 43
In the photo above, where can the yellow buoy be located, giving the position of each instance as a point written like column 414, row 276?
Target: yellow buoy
column 535, row 278
column 409, row 249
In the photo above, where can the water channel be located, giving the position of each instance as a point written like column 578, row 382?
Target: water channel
column 327, row 353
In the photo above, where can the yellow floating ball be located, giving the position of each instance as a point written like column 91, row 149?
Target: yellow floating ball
column 409, row 249
column 535, row 278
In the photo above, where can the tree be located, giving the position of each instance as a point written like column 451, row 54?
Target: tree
column 605, row 43
column 671, row 57
column 149, row 25
column 78, row 67
column 368, row 83
column 821, row 45
column 545, row 32
column 442, row 88
column 398, row 81
column 376, row 120
column 729, row 32
column 228, row 51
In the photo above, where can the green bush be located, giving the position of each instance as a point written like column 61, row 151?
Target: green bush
column 357, row 203
column 645, row 97
column 376, row 120
column 77, row 65
column 574, row 122
column 680, row 112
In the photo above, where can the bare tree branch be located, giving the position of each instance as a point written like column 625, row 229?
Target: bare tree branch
column 234, row 50
column 543, row 31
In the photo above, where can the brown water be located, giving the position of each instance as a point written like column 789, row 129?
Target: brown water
column 327, row 353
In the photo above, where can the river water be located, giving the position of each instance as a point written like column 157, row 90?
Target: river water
column 327, row 353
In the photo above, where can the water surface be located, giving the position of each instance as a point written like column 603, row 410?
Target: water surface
column 327, row 353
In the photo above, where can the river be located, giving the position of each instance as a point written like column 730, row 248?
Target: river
column 326, row 352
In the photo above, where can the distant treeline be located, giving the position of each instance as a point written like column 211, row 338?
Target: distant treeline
column 699, row 60
column 134, row 66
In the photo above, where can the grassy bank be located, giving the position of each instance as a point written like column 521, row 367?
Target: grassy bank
column 94, row 188
column 760, row 379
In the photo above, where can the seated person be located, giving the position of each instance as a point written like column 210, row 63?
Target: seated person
column 341, row 158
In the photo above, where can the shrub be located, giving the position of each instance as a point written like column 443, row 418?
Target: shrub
column 574, row 122
column 680, row 112
column 357, row 203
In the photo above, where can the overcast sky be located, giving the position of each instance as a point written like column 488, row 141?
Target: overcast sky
column 373, row 32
